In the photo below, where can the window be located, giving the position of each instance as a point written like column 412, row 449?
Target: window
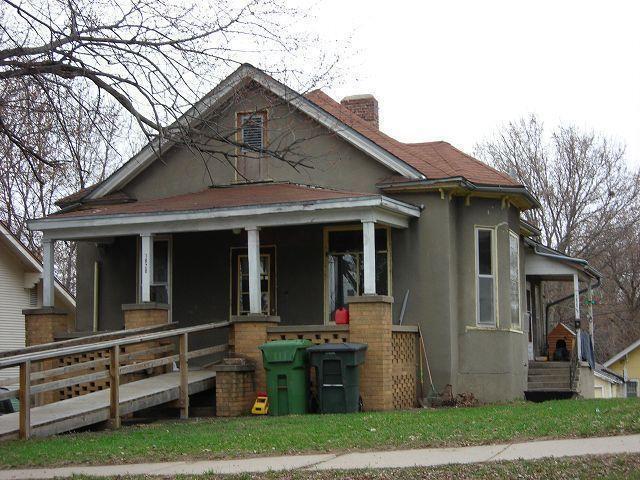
column 239, row 266
column 345, row 272
column 631, row 387
column 252, row 126
column 514, row 278
column 33, row 296
column 160, row 288
column 243, row 284
column 485, row 268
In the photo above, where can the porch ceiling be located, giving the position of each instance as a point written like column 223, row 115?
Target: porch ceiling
column 237, row 206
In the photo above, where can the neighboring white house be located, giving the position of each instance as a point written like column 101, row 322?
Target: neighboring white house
column 21, row 288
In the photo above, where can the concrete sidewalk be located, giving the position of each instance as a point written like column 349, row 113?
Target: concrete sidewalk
column 389, row 459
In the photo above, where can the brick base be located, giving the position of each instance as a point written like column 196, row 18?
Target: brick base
column 235, row 389
column 247, row 333
column 42, row 325
column 148, row 314
column 370, row 322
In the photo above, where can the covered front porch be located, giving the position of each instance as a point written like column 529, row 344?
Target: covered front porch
column 278, row 262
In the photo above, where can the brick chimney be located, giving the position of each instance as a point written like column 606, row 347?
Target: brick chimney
column 365, row 106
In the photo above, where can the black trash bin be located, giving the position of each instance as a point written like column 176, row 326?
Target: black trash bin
column 337, row 375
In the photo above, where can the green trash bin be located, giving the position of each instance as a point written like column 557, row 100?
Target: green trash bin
column 338, row 375
column 286, row 363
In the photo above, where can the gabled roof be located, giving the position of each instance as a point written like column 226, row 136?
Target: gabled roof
column 243, row 75
column 29, row 258
column 622, row 354
column 409, row 161
column 435, row 160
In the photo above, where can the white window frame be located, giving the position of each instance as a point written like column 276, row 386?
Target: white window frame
column 515, row 236
column 239, row 274
column 494, row 276
column 169, row 239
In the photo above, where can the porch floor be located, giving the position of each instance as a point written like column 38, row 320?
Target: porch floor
column 93, row 408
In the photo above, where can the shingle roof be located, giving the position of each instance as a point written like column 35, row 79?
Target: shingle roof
column 241, row 195
column 435, row 160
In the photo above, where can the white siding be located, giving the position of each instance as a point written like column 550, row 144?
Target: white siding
column 13, row 299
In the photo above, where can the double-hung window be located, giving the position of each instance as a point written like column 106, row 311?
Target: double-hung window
column 514, row 278
column 160, row 282
column 486, row 280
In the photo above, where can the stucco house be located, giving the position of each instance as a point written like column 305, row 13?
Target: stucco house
column 20, row 289
column 350, row 213
column 626, row 364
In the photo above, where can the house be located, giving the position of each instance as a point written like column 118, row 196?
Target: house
column 626, row 364
column 606, row 383
column 349, row 214
column 21, row 288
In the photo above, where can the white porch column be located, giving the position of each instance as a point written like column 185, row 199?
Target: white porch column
column 576, row 296
column 48, row 279
column 369, row 247
column 253, row 246
column 146, row 266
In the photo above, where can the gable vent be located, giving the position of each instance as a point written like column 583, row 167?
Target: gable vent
column 252, row 129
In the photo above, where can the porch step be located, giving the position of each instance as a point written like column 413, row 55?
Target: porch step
column 548, row 365
column 549, row 386
column 548, row 378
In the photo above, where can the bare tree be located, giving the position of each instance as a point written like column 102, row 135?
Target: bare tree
column 29, row 190
column 590, row 202
column 580, row 178
column 154, row 58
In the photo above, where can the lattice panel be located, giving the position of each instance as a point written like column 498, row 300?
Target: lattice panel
column 88, row 387
column 404, row 369
column 316, row 337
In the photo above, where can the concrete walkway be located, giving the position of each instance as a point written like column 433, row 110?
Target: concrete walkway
column 426, row 457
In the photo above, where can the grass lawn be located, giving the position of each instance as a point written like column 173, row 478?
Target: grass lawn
column 251, row 436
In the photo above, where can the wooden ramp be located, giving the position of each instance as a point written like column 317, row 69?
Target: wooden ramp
column 93, row 408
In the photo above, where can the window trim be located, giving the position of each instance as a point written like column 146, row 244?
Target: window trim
column 163, row 237
column 494, row 276
column 325, row 261
column 518, row 325
column 239, row 280
column 272, row 251
column 264, row 112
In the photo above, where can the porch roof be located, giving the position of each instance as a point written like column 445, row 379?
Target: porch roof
column 228, row 207
column 549, row 264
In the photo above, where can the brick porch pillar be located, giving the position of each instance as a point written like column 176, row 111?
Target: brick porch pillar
column 146, row 314
column 370, row 322
column 246, row 334
column 43, row 325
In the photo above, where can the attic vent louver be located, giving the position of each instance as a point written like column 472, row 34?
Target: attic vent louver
column 252, row 129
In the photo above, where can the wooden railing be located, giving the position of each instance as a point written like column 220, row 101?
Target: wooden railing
column 115, row 370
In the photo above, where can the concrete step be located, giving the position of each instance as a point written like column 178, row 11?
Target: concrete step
column 548, row 386
column 549, row 389
column 548, row 378
column 548, row 365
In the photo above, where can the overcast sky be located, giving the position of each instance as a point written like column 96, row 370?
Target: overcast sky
column 455, row 70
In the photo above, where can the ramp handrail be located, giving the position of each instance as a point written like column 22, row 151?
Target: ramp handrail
column 115, row 369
